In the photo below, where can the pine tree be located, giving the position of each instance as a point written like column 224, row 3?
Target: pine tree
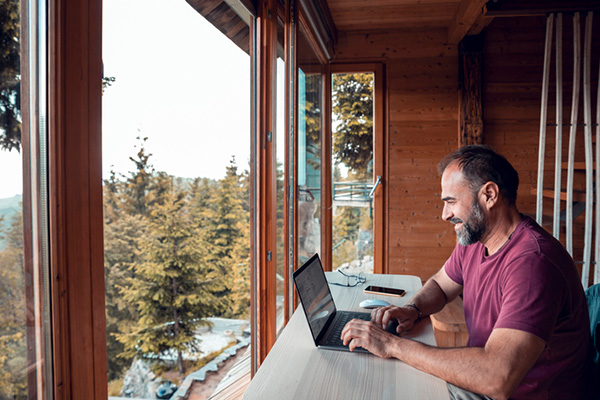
column 201, row 193
column 225, row 213
column 224, row 223
column 10, row 76
column 353, row 109
column 174, row 284
column 13, row 346
column 120, row 252
column 138, row 184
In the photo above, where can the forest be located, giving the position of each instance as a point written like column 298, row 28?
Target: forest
column 176, row 251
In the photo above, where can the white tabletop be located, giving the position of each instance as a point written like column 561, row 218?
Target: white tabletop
column 296, row 369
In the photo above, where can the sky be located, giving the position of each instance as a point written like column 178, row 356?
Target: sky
column 178, row 81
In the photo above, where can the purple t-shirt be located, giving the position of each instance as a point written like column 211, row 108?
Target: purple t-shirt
column 531, row 284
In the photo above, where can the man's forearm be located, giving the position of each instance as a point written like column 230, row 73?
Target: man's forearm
column 431, row 298
column 468, row 368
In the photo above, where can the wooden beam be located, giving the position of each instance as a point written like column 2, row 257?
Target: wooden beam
column 515, row 8
column 469, row 11
column 479, row 25
column 470, row 116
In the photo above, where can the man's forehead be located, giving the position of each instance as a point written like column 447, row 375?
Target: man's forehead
column 453, row 182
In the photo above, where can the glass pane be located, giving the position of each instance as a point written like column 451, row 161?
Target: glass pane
column 24, row 298
column 352, row 160
column 176, row 145
column 280, row 153
column 309, row 150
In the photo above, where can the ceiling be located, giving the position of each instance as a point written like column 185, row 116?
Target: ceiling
column 458, row 17
column 391, row 14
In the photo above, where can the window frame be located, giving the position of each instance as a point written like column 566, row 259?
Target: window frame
column 380, row 132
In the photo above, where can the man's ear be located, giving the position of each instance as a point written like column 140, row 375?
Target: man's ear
column 489, row 193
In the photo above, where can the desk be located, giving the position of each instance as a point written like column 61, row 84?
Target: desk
column 296, row 369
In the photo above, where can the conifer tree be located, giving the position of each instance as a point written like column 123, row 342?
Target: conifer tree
column 138, row 183
column 225, row 213
column 202, row 192
column 353, row 109
column 223, row 225
column 120, row 251
column 240, row 274
column 13, row 346
column 174, row 284
column 10, row 76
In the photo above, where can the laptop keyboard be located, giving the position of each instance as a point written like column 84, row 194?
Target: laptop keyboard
column 334, row 337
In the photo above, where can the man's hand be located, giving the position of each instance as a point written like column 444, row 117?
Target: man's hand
column 368, row 335
column 405, row 316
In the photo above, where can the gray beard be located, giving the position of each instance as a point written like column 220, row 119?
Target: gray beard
column 473, row 228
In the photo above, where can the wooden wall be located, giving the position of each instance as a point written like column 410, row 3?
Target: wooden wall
column 422, row 123
column 421, row 115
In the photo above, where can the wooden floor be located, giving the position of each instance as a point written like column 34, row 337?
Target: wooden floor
column 235, row 382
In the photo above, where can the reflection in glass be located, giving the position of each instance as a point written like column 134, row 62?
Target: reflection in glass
column 352, row 160
column 280, row 151
column 25, row 365
column 310, row 87
column 309, row 164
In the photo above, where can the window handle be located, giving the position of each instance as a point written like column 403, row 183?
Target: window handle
column 377, row 183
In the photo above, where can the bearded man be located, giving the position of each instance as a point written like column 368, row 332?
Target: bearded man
column 525, row 308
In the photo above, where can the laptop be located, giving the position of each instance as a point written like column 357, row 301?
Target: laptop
column 326, row 322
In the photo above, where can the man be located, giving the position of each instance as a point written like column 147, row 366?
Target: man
column 524, row 305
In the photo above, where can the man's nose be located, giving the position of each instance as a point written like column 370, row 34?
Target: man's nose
column 446, row 213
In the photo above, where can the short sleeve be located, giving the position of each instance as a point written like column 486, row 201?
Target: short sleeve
column 453, row 265
column 532, row 291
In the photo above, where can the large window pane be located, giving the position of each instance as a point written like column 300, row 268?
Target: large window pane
column 25, row 370
column 176, row 144
column 309, row 150
column 280, row 160
column 352, row 160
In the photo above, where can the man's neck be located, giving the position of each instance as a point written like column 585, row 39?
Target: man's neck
column 501, row 227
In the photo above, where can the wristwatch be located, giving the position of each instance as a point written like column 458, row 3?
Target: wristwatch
column 420, row 315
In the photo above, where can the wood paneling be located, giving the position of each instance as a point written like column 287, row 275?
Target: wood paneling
column 389, row 14
column 421, row 91
column 225, row 19
column 422, row 97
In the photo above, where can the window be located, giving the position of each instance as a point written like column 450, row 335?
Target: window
column 25, row 365
column 177, row 198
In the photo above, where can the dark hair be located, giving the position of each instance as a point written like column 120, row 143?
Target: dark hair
column 480, row 164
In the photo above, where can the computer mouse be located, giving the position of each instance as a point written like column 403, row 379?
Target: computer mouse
column 373, row 303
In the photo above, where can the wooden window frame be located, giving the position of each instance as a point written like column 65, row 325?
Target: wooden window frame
column 265, row 179
column 73, row 189
column 380, row 132
column 75, row 198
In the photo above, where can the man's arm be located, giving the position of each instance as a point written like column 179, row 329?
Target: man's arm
column 431, row 298
column 495, row 370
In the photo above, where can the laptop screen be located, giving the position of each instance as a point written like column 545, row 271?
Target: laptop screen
column 314, row 294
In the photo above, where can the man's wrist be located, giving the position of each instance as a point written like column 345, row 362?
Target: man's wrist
column 420, row 315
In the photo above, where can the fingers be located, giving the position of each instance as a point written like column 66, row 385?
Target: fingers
column 405, row 325
column 368, row 335
column 353, row 330
column 382, row 315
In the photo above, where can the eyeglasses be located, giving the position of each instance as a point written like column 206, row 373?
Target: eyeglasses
column 351, row 280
